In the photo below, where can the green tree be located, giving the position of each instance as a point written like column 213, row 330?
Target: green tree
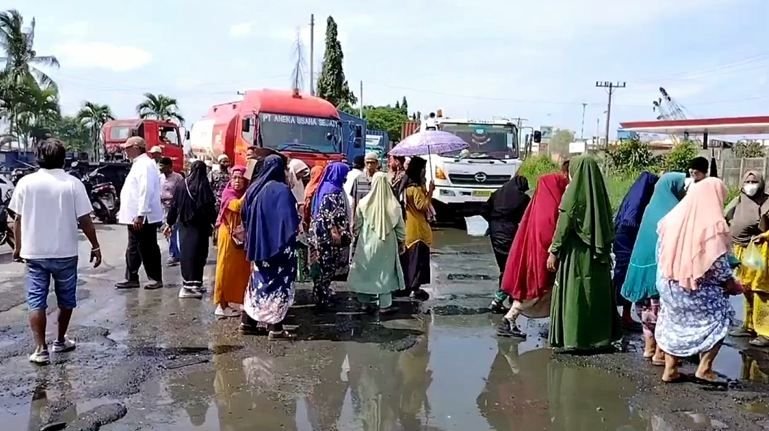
column 385, row 118
column 559, row 142
column 405, row 105
column 680, row 155
column 749, row 149
column 93, row 116
column 75, row 135
column 159, row 107
column 332, row 84
column 632, row 156
column 36, row 112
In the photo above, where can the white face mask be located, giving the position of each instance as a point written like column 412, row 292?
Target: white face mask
column 688, row 182
column 750, row 189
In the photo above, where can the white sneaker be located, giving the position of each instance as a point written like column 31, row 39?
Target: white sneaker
column 67, row 346
column 190, row 293
column 226, row 312
column 40, row 357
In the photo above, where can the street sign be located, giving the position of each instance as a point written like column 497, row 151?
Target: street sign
column 547, row 133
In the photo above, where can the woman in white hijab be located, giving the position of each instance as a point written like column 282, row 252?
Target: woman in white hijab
column 299, row 171
column 379, row 234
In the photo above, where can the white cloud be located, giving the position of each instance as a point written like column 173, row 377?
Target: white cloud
column 241, row 29
column 101, row 55
column 74, row 29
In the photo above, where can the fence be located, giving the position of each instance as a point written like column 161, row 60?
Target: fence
column 731, row 170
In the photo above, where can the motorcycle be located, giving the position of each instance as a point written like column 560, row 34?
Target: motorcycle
column 102, row 193
column 6, row 222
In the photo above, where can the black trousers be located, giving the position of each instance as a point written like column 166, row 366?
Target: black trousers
column 143, row 249
column 193, row 247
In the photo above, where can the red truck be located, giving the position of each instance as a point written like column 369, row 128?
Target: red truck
column 298, row 125
column 161, row 133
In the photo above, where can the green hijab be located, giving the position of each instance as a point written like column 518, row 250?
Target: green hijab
column 586, row 202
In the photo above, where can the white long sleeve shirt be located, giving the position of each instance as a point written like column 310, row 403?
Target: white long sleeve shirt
column 141, row 193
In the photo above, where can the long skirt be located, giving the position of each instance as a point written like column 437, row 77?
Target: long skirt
column 232, row 270
column 757, row 298
column 532, row 308
column 193, row 247
column 416, row 265
column 271, row 291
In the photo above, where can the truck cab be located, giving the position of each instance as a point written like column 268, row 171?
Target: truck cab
column 164, row 134
column 465, row 179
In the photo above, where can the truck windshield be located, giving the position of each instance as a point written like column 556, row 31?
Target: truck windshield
column 491, row 140
column 297, row 133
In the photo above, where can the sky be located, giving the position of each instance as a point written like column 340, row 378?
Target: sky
column 538, row 60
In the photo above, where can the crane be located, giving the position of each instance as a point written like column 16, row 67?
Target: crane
column 668, row 109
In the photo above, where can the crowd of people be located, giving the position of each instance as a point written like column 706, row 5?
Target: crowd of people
column 673, row 250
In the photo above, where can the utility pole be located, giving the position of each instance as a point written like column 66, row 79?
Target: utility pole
column 582, row 129
column 360, row 100
column 611, row 86
column 312, row 54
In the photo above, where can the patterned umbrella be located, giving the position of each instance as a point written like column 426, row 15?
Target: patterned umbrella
column 429, row 142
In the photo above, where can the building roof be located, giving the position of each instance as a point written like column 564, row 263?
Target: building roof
column 754, row 125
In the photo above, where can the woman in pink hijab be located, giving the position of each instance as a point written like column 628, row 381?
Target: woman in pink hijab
column 694, row 277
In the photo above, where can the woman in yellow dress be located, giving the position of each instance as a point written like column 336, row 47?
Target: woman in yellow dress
column 232, row 269
column 748, row 216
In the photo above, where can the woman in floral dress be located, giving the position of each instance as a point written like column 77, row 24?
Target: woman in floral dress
column 693, row 279
column 271, row 221
column 330, row 232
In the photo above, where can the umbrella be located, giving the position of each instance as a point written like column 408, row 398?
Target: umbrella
column 429, row 142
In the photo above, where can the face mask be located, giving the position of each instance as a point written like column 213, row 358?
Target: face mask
column 750, row 189
column 688, row 182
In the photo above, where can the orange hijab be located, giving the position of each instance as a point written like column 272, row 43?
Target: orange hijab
column 316, row 173
column 694, row 233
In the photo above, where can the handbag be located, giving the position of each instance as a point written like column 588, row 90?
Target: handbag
column 238, row 235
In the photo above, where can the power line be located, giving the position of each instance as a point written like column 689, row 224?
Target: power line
column 611, row 86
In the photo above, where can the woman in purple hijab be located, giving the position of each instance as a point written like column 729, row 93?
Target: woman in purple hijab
column 330, row 235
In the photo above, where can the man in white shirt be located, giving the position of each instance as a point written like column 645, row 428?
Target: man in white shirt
column 142, row 212
column 49, row 205
column 358, row 163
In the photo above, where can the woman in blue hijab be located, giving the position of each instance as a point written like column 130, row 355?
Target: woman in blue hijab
column 330, row 235
column 626, row 224
column 271, row 221
column 639, row 286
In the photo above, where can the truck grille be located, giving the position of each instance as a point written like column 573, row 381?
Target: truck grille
column 478, row 179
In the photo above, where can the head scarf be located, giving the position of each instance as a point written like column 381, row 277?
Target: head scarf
column 748, row 211
column 331, row 182
column 414, row 171
column 271, row 219
column 641, row 276
column 637, row 198
column 586, row 202
column 195, row 194
column 229, row 194
column 297, row 188
column 379, row 207
column 694, row 233
column 526, row 275
column 509, row 198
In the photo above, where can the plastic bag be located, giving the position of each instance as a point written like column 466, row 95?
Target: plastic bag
column 752, row 258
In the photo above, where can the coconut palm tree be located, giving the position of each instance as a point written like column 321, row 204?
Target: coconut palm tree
column 93, row 116
column 159, row 107
column 37, row 109
column 20, row 57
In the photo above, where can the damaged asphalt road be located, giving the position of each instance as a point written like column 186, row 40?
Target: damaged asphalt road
column 147, row 360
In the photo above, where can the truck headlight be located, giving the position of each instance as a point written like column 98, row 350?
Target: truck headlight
column 439, row 174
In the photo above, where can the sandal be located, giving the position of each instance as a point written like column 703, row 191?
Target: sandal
column 658, row 362
column 759, row 341
column 280, row 335
column 742, row 333
column 251, row 329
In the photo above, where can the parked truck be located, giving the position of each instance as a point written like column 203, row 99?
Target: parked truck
column 165, row 134
column 464, row 180
column 298, row 125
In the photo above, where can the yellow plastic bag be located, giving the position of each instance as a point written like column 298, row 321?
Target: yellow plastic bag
column 752, row 258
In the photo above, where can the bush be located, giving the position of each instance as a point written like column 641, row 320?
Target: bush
column 677, row 160
column 632, row 156
column 536, row 166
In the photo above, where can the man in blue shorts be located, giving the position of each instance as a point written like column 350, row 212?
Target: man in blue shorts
column 49, row 206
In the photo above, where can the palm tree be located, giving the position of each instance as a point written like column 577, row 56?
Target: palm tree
column 93, row 116
column 37, row 109
column 159, row 107
column 20, row 56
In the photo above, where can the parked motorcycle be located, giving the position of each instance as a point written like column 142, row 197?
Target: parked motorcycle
column 102, row 193
column 6, row 222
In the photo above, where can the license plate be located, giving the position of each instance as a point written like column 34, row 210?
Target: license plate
column 481, row 193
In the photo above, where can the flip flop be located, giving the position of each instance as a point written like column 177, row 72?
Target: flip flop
column 658, row 363
column 680, row 378
column 759, row 342
column 280, row 335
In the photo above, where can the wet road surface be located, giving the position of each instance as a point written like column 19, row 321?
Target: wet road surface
column 147, row 360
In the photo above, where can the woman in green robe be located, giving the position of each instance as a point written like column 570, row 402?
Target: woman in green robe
column 583, row 314
column 379, row 233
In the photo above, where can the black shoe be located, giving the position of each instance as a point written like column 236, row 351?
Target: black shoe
column 401, row 293
column 128, row 284
column 421, row 295
column 497, row 307
column 152, row 285
column 507, row 328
